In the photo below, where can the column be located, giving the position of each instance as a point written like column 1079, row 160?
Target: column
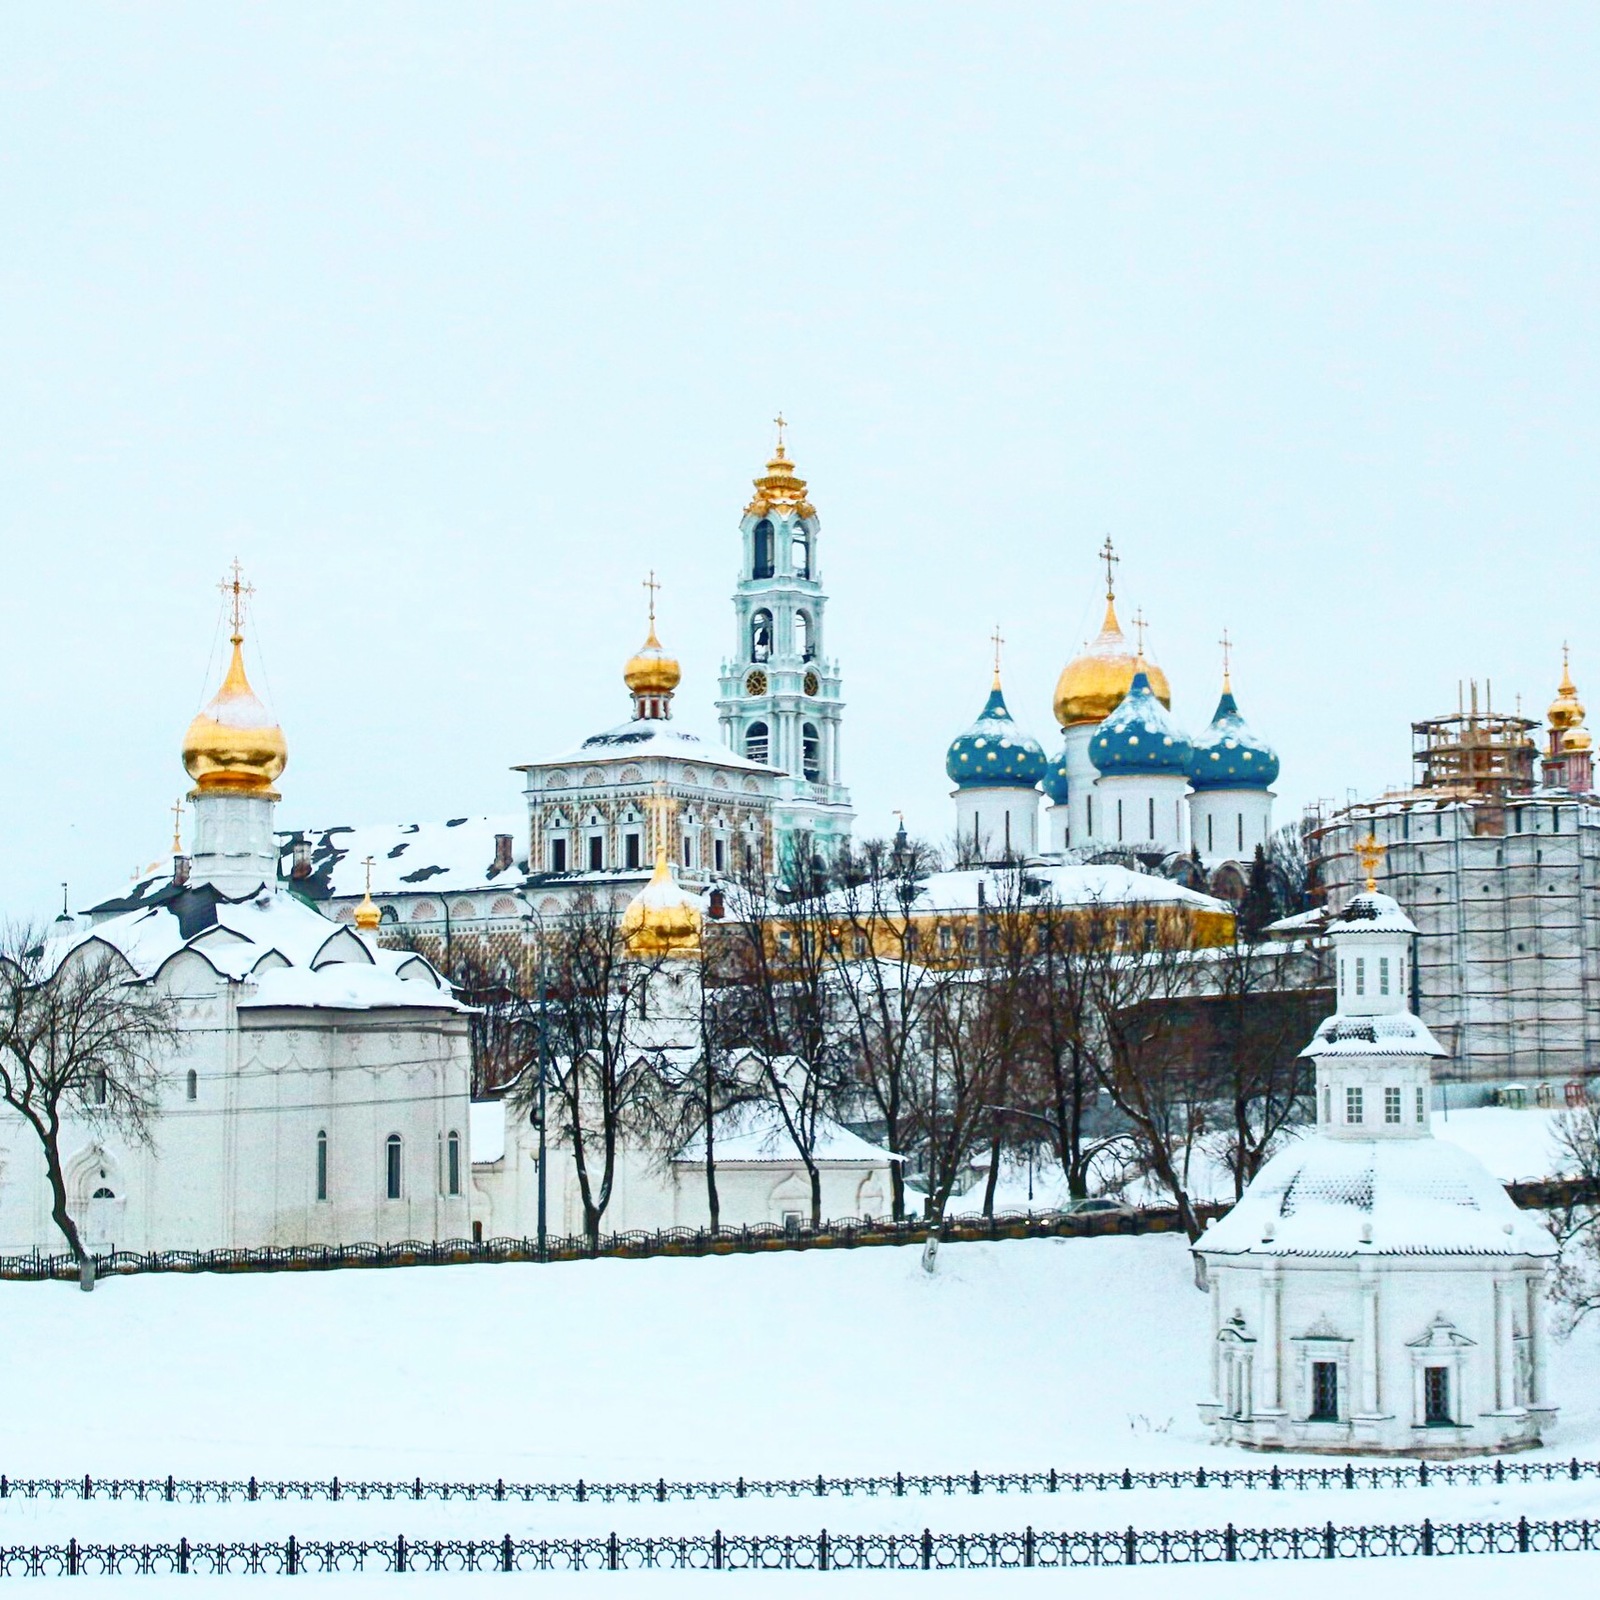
column 1369, row 1341
column 1271, row 1316
column 1505, row 1381
column 1535, row 1291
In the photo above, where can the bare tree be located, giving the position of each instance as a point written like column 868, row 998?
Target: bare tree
column 82, row 1037
column 882, row 976
column 1291, row 874
column 954, row 1089
column 1576, row 1225
column 602, row 1091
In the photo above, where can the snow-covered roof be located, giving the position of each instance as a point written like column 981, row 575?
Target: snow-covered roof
column 756, row 1134
column 409, row 857
column 1301, row 924
column 281, row 951
column 649, row 736
column 1400, row 1033
column 1086, row 886
column 1351, row 1197
column 1370, row 912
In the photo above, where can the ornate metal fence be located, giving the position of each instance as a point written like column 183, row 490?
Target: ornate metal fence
column 819, row 1552
column 1385, row 1475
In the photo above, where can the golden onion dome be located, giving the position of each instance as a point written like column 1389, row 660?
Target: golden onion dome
column 234, row 746
column 1577, row 739
column 1093, row 685
column 650, row 670
column 663, row 919
column 1566, row 710
column 780, row 488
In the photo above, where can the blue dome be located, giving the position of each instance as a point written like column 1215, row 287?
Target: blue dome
column 1229, row 756
column 1140, row 736
column 1055, row 777
column 994, row 753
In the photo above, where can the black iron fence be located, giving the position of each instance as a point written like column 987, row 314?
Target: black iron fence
column 819, row 1552
column 1348, row 1475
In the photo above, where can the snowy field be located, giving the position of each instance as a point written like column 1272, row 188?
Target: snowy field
column 1013, row 1356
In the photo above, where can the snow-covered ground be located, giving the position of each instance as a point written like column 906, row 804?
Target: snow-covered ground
column 1012, row 1356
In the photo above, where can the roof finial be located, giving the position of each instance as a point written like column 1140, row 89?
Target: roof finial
column 367, row 914
column 1370, row 854
column 652, row 586
column 1109, row 555
column 238, row 591
column 1138, row 628
column 996, row 640
column 177, row 826
column 1227, row 663
column 780, row 424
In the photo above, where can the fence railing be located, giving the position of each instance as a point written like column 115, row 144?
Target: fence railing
column 843, row 1233
column 1348, row 1475
column 822, row 1551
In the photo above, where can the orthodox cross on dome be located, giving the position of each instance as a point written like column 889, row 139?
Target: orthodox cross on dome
column 177, row 827
column 366, row 862
column 237, row 591
column 1138, row 628
column 780, row 425
column 653, row 587
column 996, row 640
column 1108, row 554
column 1227, row 662
column 1370, row 854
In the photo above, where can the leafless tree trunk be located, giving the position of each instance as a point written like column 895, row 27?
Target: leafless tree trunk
column 81, row 1036
column 1577, row 1227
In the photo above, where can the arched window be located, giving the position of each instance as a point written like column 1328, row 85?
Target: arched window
column 802, row 636
column 761, row 636
column 322, row 1163
column 191, row 1086
column 102, row 1087
column 103, row 1193
column 391, row 1167
column 756, row 742
column 811, row 753
column 763, row 550
column 452, row 1164
column 800, row 554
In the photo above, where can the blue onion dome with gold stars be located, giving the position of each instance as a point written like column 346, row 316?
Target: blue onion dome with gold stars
column 1055, row 778
column 994, row 753
column 1140, row 735
column 1229, row 755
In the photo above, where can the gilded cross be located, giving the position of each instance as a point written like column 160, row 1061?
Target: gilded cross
column 177, row 825
column 651, row 584
column 1227, row 658
column 780, row 424
column 238, row 591
column 367, row 863
column 1138, row 628
column 996, row 640
column 1370, row 854
column 1109, row 555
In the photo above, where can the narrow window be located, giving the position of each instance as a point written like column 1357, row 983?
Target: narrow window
column 1555, row 820
column 630, row 849
column 802, row 636
column 756, row 742
column 811, row 753
column 1327, row 1105
column 322, row 1164
column 1119, row 821
column 719, row 852
column 558, row 855
column 688, row 851
column 1211, row 834
column 1422, row 1106
column 597, row 853
column 1383, row 974
column 761, row 636
column 800, row 554
column 1436, row 1396
column 1088, row 816
column 1324, row 1391
column 1361, row 974
column 1241, row 830
column 391, row 1167
column 102, row 1087
column 191, row 1085
column 1352, row 1105
column 763, row 550
column 1391, row 1105
column 1152, row 832
column 1343, row 970
column 452, row 1164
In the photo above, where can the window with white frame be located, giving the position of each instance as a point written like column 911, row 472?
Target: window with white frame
column 1352, row 1104
column 1391, row 1104
column 392, row 1166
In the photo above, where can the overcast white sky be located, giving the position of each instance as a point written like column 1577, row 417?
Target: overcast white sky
column 451, row 321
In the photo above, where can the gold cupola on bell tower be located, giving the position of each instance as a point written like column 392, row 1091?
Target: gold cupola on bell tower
column 234, row 745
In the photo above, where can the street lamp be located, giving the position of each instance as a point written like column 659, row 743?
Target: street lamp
column 535, row 915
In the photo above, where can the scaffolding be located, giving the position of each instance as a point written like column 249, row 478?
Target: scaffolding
column 1473, row 753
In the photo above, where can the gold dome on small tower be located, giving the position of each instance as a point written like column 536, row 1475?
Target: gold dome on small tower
column 663, row 919
column 234, row 745
column 781, row 488
column 368, row 916
column 1094, row 684
column 651, row 674
column 1566, row 710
